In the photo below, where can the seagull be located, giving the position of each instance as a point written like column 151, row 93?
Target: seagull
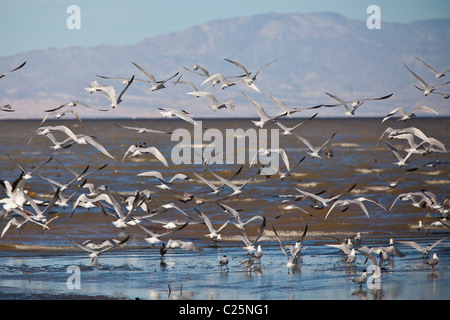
column 84, row 139
column 264, row 118
column 417, row 198
column 156, row 85
column 218, row 78
column 96, row 250
column 433, row 261
column 250, row 245
column 361, row 279
column 60, row 114
column 249, row 78
column 196, row 92
column 123, row 220
column 345, row 246
column 72, row 104
column 292, row 207
column 7, row 108
column 288, row 109
column 291, row 261
column 319, row 202
column 406, row 115
column 214, row 234
column 154, row 237
column 401, row 161
column 424, row 250
column 268, row 152
column 358, row 201
column 165, row 184
column 2, row 75
column 436, row 73
column 19, row 225
column 109, row 91
column 296, row 249
column 284, row 175
column 84, row 173
column 427, row 87
column 170, row 112
column 138, row 150
column 395, row 133
column 42, row 216
column 315, row 151
column 186, row 245
column 236, row 190
column 195, row 67
column 391, row 184
column 215, row 189
column 288, row 131
column 142, row 130
column 15, row 195
column 28, row 174
column 216, row 105
column 67, row 143
column 171, row 205
column 223, row 262
column 239, row 224
column 355, row 104
column 90, row 202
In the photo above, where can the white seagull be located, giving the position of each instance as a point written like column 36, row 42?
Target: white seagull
column 165, row 184
column 154, row 237
column 2, row 75
column 136, row 150
column 142, row 130
column 96, row 250
column 315, row 151
column 358, row 201
column 249, row 77
column 418, row 247
column 182, row 114
column 264, row 118
column 214, row 234
column 156, row 85
column 407, row 115
column 288, row 130
column 216, row 105
column 427, row 88
column 436, row 73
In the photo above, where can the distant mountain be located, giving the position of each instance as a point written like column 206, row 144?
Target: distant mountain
column 314, row 53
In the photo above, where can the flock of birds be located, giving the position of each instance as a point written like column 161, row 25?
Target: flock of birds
column 136, row 210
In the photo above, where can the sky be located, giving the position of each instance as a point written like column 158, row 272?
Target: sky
column 40, row 24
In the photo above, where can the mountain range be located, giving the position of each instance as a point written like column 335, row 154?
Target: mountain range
column 314, row 53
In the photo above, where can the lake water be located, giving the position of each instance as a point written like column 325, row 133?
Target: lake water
column 34, row 263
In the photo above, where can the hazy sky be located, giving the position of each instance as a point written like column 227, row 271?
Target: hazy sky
column 39, row 24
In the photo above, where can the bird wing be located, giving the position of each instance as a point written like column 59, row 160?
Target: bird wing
column 417, row 77
column 119, row 98
column 339, row 100
column 157, row 154
column 437, row 242
column 148, row 74
column 413, row 244
column 239, row 65
column 17, row 68
column 97, row 145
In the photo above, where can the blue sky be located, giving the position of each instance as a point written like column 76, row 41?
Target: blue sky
column 39, row 24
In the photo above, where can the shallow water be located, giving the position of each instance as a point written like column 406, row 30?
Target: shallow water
column 33, row 263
